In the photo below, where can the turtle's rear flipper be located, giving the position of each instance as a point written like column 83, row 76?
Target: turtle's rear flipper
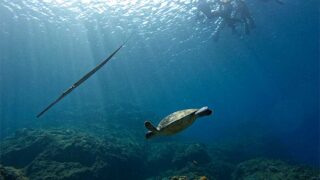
column 150, row 127
column 150, row 134
column 152, row 130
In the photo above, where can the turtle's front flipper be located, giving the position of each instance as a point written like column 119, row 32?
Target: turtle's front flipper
column 204, row 111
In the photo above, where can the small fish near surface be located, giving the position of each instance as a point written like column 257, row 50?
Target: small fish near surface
column 83, row 79
column 176, row 122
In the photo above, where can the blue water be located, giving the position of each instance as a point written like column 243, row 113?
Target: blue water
column 265, row 83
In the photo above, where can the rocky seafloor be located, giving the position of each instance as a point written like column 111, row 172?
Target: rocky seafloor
column 111, row 146
column 73, row 154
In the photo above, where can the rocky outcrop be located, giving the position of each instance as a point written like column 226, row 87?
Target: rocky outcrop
column 67, row 154
column 10, row 173
column 260, row 169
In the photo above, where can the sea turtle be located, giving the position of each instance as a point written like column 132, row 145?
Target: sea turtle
column 176, row 122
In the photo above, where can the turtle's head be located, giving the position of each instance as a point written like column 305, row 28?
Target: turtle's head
column 204, row 111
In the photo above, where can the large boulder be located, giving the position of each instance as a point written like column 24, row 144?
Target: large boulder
column 191, row 160
column 194, row 153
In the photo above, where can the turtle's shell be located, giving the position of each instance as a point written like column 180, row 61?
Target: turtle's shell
column 177, row 121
